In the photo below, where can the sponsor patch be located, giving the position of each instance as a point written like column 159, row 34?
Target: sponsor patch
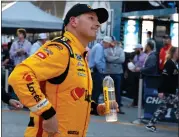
column 77, row 93
column 64, row 39
column 73, row 132
column 78, row 57
column 82, row 70
column 81, row 74
column 48, row 51
column 27, row 77
column 58, row 46
column 41, row 55
column 40, row 105
column 30, row 87
column 80, row 64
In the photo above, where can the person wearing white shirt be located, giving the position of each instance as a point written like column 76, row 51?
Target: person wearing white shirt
column 42, row 38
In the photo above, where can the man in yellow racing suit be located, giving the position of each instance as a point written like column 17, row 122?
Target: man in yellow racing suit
column 55, row 83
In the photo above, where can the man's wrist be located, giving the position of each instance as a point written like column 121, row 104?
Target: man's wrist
column 48, row 113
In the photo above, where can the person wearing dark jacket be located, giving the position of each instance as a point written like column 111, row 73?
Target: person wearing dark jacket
column 150, row 63
column 6, row 98
column 167, row 91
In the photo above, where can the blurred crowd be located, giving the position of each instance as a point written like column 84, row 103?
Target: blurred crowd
column 18, row 50
column 107, row 58
column 15, row 52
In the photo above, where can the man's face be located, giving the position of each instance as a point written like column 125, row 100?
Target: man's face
column 86, row 25
column 137, row 51
column 20, row 35
column 113, row 43
column 166, row 41
column 147, row 49
column 43, row 41
column 106, row 44
column 148, row 36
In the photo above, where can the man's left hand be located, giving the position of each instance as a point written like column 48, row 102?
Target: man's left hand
column 101, row 108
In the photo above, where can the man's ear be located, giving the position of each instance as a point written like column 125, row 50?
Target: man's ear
column 73, row 21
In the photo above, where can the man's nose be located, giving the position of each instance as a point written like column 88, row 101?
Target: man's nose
column 98, row 24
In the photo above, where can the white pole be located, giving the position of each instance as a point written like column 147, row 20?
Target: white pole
column 140, row 97
column 138, row 121
column 6, row 79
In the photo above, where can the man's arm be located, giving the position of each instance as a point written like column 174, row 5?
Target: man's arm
column 13, row 51
column 109, row 58
column 6, row 61
column 39, row 67
column 99, row 59
column 5, row 96
column 115, row 59
column 26, row 49
column 150, row 65
column 121, row 57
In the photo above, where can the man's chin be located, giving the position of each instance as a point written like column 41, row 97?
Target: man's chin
column 92, row 38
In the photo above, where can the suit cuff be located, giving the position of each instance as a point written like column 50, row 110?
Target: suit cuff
column 43, row 109
column 48, row 113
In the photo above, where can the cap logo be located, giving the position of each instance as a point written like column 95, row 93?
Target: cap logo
column 65, row 39
column 89, row 6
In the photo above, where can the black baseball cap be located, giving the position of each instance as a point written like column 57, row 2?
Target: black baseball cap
column 79, row 9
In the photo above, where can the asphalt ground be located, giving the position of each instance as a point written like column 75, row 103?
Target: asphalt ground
column 14, row 123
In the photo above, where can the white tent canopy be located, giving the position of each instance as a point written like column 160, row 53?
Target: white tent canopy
column 26, row 15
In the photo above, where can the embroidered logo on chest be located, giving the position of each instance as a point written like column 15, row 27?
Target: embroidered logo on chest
column 79, row 64
column 78, row 57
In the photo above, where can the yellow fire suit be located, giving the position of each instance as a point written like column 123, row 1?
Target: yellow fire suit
column 70, row 100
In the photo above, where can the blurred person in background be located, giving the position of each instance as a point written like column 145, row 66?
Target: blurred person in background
column 5, row 55
column 115, row 57
column 42, row 38
column 164, row 50
column 20, row 48
column 139, row 58
column 97, row 64
column 168, row 90
column 134, row 67
column 150, row 66
column 6, row 98
column 149, row 38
